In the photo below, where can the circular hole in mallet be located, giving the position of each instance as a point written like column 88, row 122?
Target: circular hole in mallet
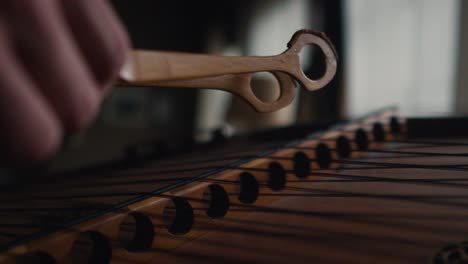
column 276, row 176
column 265, row 87
column 91, row 247
column 249, row 188
column 313, row 61
column 323, row 154
column 343, row 147
column 301, row 164
column 178, row 216
column 136, row 232
column 217, row 200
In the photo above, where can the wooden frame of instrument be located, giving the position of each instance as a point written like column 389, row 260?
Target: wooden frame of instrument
column 58, row 245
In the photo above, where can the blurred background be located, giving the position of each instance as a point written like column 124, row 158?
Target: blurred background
column 408, row 53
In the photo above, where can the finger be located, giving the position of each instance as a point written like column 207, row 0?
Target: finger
column 53, row 60
column 100, row 36
column 29, row 129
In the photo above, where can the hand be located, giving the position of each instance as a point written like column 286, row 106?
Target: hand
column 57, row 58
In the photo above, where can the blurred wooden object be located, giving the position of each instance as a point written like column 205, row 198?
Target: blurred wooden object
column 173, row 69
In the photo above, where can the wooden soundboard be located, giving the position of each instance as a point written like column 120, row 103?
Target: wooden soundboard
column 357, row 192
